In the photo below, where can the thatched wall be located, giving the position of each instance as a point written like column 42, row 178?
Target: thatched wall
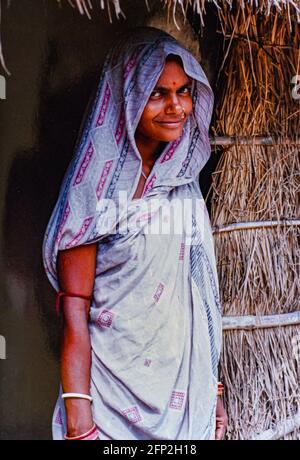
column 256, row 202
column 199, row 6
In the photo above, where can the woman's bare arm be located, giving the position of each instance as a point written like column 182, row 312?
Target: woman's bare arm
column 76, row 272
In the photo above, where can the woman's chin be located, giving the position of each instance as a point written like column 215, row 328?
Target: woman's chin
column 171, row 135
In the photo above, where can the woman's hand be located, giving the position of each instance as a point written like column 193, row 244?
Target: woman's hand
column 221, row 420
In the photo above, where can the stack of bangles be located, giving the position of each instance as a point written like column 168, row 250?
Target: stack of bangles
column 90, row 435
column 220, row 389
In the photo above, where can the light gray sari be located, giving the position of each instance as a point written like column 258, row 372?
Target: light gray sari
column 155, row 318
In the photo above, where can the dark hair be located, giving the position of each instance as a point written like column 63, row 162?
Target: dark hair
column 174, row 57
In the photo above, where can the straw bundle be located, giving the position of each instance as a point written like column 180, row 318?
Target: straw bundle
column 256, row 203
column 85, row 7
column 264, row 6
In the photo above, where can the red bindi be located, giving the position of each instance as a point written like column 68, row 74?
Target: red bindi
column 174, row 83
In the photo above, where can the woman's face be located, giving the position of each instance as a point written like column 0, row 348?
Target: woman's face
column 168, row 107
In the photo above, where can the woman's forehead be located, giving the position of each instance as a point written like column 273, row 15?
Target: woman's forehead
column 173, row 74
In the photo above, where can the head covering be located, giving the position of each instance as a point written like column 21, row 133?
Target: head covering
column 107, row 160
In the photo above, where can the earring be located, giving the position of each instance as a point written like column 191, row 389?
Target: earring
column 183, row 115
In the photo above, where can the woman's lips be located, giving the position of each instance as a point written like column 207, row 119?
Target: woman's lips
column 170, row 124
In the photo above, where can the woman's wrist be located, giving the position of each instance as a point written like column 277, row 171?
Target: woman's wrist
column 77, row 428
column 79, row 416
column 90, row 435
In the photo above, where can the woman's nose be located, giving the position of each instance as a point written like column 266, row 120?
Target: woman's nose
column 173, row 106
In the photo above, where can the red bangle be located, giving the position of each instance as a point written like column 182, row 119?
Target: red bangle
column 61, row 294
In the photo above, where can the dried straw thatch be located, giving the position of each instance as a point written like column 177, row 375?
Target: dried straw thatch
column 263, row 6
column 256, row 203
column 172, row 7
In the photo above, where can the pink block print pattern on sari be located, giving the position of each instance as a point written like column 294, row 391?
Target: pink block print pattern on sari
column 104, row 175
column 58, row 417
column 132, row 414
column 170, row 152
column 159, row 291
column 150, row 184
column 177, row 400
column 182, row 251
column 80, row 234
column 104, row 106
column 105, row 318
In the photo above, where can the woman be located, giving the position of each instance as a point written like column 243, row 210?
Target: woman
column 142, row 323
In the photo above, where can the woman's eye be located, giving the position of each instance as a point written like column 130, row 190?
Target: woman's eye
column 186, row 90
column 155, row 94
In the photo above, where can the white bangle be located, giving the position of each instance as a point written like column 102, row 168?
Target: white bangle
column 77, row 395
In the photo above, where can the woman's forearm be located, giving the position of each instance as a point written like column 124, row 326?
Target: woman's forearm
column 75, row 366
column 76, row 268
